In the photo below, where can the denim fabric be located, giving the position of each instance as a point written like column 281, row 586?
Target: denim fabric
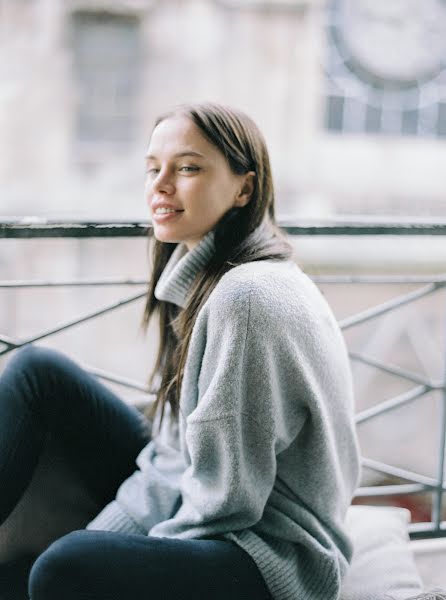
column 46, row 396
column 44, row 392
column 100, row 565
column 14, row 578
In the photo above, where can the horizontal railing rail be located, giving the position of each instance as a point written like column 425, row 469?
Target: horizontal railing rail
column 415, row 483
column 36, row 227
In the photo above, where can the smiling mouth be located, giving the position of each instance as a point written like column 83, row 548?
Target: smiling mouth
column 165, row 217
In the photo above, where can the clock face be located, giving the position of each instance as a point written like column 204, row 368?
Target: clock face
column 397, row 41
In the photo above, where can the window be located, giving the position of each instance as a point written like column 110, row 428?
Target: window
column 385, row 67
column 107, row 57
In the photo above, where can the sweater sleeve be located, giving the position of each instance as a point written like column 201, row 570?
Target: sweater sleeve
column 243, row 418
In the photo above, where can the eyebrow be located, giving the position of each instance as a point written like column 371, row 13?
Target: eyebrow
column 178, row 155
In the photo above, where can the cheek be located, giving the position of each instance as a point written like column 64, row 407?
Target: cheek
column 220, row 197
column 147, row 188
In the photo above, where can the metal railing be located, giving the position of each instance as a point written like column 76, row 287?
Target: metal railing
column 422, row 385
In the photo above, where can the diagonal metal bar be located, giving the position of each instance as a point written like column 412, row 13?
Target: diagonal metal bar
column 398, row 371
column 391, row 404
column 7, row 349
column 392, row 490
column 70, row 283
column 376, row 465
column 8, row 341
column 124, row 381
column 74, row 322
column 385, row 307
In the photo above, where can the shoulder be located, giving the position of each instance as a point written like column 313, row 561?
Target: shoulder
column 273, row 289
column 256, row 278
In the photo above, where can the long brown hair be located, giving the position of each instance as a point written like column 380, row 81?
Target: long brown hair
column 242, row 235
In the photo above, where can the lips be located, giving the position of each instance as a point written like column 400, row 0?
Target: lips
column 166, row 217
column 156, row 205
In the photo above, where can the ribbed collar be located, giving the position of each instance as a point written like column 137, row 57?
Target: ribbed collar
column 181, row 269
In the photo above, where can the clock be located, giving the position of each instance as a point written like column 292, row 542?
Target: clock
column 392, row 43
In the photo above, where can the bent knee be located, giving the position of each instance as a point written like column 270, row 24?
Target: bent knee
column 58, row 571
column 30, row 356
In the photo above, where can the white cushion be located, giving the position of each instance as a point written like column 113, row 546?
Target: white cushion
column 383, row 565
column 430, row 558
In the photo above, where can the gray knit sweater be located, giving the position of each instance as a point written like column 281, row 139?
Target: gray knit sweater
column 264, row 452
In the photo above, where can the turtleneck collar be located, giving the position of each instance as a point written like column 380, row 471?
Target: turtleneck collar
column 181, row 269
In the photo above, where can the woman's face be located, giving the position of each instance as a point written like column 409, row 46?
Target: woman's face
column 189, row 184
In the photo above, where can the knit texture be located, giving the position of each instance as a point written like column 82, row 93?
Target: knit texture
column 265, row 452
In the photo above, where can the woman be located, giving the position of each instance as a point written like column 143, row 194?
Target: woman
column 242, row 491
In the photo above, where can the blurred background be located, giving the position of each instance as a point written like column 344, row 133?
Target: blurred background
column 351, row 98
column 350, row 94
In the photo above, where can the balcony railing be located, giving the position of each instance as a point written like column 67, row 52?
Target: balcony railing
column 429, row 285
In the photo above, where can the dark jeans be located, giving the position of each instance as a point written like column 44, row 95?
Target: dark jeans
column 46, row 396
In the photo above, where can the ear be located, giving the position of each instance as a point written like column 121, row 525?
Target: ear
column 246, row 189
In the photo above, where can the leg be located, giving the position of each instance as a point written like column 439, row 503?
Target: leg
column 113, row 566
column 47, row 401
column 14, row 578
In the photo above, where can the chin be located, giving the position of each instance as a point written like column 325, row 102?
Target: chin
column 165, row 237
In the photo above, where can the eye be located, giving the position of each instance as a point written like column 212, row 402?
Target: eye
column 152, row 170
column 189, row 169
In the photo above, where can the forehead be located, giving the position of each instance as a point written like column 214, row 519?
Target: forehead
column 180, row 134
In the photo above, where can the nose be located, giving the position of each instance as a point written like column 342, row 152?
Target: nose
column 163, row 183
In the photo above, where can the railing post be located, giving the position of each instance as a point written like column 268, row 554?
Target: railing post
column 438, row 498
